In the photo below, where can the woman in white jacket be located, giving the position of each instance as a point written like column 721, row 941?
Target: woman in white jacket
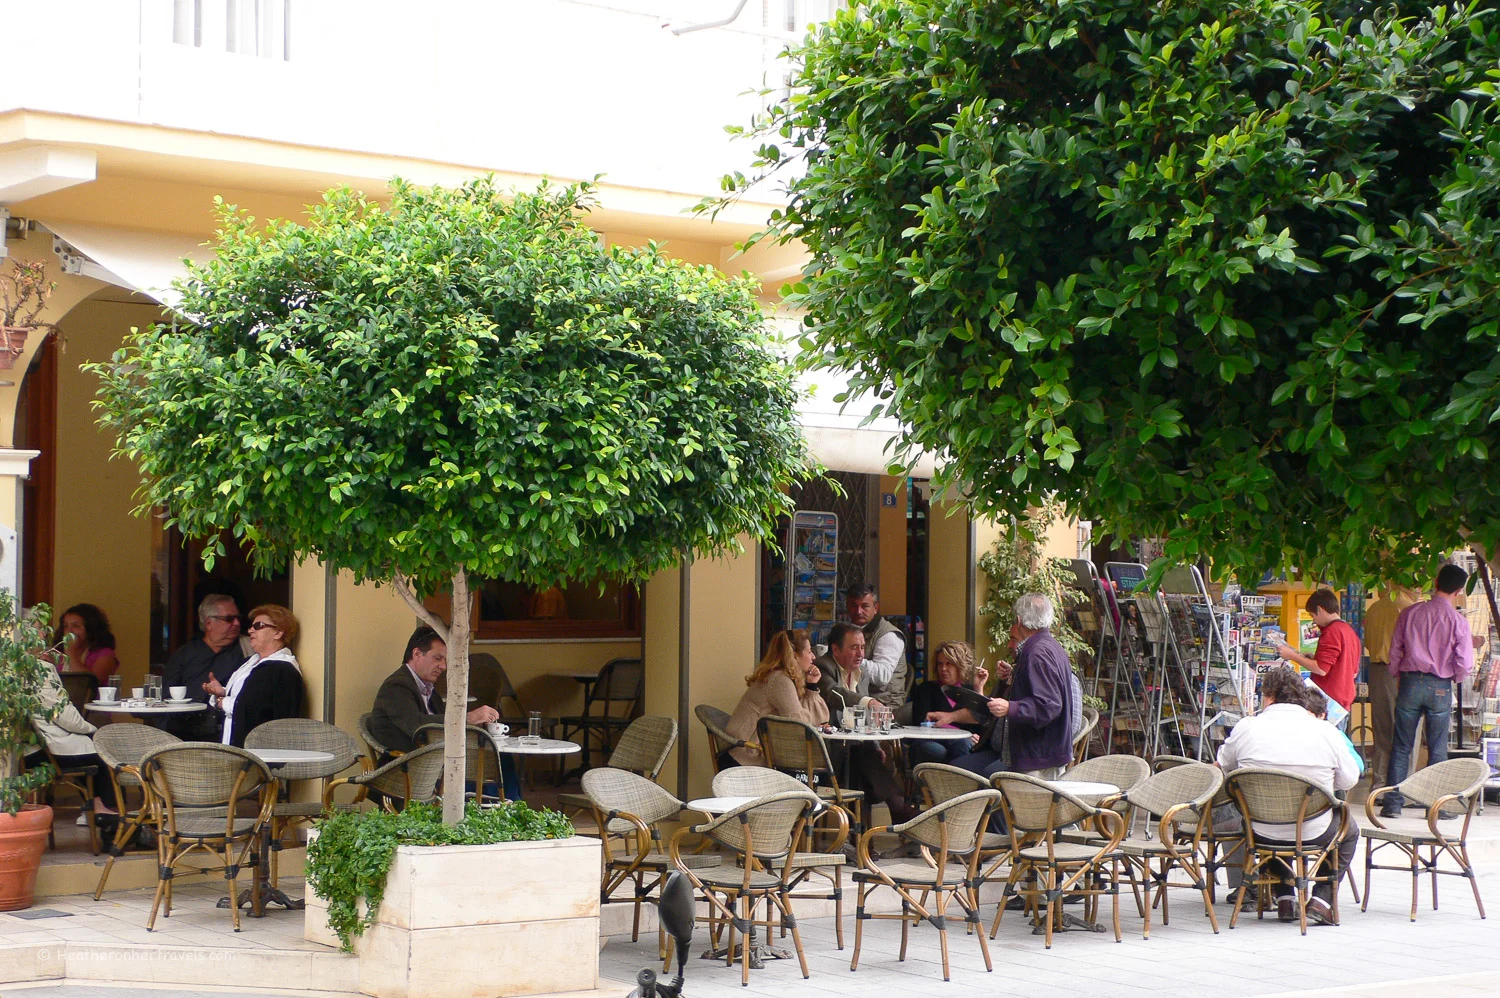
column 69, row 737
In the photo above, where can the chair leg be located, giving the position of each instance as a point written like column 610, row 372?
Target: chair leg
column 1416, row 876
column 1369, row 860
column 838, row 905
column 748, row 904
column 784, row 903
column 859, row 925
column 905, row 928
column 1434, row 877
column 942, row 932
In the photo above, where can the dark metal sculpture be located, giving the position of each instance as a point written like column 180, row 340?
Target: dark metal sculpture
column 675, row 909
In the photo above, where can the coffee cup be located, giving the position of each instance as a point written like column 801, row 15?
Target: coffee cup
column 178, row 692
column 138, row 692
column 497, row 730
column 108, row 694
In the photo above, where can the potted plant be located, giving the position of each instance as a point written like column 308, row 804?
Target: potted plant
column 23, row 827
column 23, row 295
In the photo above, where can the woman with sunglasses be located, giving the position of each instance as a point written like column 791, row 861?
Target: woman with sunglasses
column 269, row 685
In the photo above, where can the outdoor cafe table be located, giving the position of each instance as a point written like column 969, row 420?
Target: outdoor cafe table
column 274, row 760
column 144, row 707
column 904, row 732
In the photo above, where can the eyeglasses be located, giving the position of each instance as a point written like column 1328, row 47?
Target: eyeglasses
column 226, row 617
column 260, row 624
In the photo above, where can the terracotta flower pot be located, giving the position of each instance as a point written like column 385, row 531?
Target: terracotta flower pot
column 12, row 342
column 23, row 838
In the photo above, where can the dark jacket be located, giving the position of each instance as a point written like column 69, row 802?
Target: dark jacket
column 1040, row 705
column 194, row 662
column 400, row 709
column 837, row 697
column 273, row 691
column 928, row 696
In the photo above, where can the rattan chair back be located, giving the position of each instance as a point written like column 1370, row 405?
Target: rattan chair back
column 378, row 749
column 481, row 756
column 956, row 823
column 1123, row 771
column 714, row 722
column 191, row 775
column 765, row 828
column 127, row 744
column 619, row 790
column 754, row 781
column 423, row 766
column 1164, row 762
column 1277, row 796
column 943, row 782
column 82, row 688
column 795, row 747
column 1084, row 732
column 488, row 682
column 1193, row 784
column 644, row 746
column 1032, row 805
column 305, row 734
column 1461, row 777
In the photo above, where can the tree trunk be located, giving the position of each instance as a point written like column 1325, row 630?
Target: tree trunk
column 455, row 734
column 455, row 708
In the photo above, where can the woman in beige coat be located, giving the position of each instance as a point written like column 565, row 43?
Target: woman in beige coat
column 69, row 737
column 779, row 687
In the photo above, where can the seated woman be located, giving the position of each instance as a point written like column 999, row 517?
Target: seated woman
column 952, row 665
column 268, row 686
column 778, row 687
column 90, row 643
column 70, row 740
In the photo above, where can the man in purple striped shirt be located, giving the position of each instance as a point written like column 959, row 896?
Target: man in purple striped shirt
column 1431, row 649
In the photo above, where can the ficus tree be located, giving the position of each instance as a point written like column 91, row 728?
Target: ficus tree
column 1221, row 273
column 457, row 385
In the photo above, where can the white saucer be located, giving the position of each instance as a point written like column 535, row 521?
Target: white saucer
column 174, row 700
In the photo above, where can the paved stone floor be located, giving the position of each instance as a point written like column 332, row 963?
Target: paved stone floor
column 1450, row 950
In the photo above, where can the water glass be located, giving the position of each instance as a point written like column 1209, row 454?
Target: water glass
column 859, row 719
column 114, row 683
column 533, row 728
column 887, row 720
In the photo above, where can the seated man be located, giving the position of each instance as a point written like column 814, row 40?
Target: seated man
column 845, row 680
column 1285, row 735
column 1044, row 707
column 213, row 657
column 407, row 700
column 867, row 765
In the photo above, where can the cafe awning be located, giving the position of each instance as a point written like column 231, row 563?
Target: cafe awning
column 138, row 259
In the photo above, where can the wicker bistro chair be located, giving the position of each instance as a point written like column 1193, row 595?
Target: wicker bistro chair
column 409, row 777
column 377, row 749
column 1123, row 771
column 78, row 780
column 198, row 787
column 941, row 782
column 612, row 703
column 1280, row 797
column 1179, row 799
column 481, row 761
column 642, row 750
column 312, row 736
column 82, row 688
column 1081, row 739
column 714, row 721
column 954, row 829
column 763, row 835
column 1440, row 786
column 1164, row 762
column 1051, row 867
column 798, row 748
column 760, row 781
column 121, row 747
column 629, row 810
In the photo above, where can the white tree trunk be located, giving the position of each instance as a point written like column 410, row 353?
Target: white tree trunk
column 455, row 708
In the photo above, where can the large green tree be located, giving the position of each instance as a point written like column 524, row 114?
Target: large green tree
column 1221, row 272
column 458, row 385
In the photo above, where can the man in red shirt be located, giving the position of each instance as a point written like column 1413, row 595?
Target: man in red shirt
column 1336, row 662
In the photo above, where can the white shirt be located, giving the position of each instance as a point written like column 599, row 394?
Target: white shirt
column 237, row 683
column 1284, row 736
column 889, row 651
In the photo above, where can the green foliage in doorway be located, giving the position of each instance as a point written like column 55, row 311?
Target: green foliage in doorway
column 23, row 676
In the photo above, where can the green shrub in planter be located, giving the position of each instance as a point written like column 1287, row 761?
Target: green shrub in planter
column 349, row 860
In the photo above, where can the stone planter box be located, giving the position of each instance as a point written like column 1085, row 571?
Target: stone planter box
column 493, row 921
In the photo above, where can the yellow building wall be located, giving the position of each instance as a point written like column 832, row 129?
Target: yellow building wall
column 891, row 525
column 947, row 573
column 103, row 553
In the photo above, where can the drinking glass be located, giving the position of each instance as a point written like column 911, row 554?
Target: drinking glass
column 533, row 728
column 114, row 681
column 887, row 720
column 859, row 719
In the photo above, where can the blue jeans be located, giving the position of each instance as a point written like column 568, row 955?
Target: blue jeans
column 936, row 750
column 1420, row 695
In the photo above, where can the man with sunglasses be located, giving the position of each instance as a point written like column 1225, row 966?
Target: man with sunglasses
column 216, row 655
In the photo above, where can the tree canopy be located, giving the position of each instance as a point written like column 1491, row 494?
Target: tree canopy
column 1219, row 272
column 458, row 384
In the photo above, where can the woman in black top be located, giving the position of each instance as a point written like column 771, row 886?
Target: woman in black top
column 952, row 665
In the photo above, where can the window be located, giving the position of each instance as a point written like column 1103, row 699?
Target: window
column 573, row 610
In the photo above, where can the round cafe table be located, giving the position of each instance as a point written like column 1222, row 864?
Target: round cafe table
column 144, row 707
column 274, row 759
column 511, row 745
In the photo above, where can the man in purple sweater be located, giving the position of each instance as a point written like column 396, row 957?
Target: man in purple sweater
column 1040, row 704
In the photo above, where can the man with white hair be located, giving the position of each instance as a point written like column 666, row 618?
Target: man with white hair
column 1042, row 699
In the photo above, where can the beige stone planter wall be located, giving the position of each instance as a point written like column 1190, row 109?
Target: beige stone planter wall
column 495, row 921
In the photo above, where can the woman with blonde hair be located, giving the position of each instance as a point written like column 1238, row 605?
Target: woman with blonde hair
column 784, row 684
column 952, row 665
